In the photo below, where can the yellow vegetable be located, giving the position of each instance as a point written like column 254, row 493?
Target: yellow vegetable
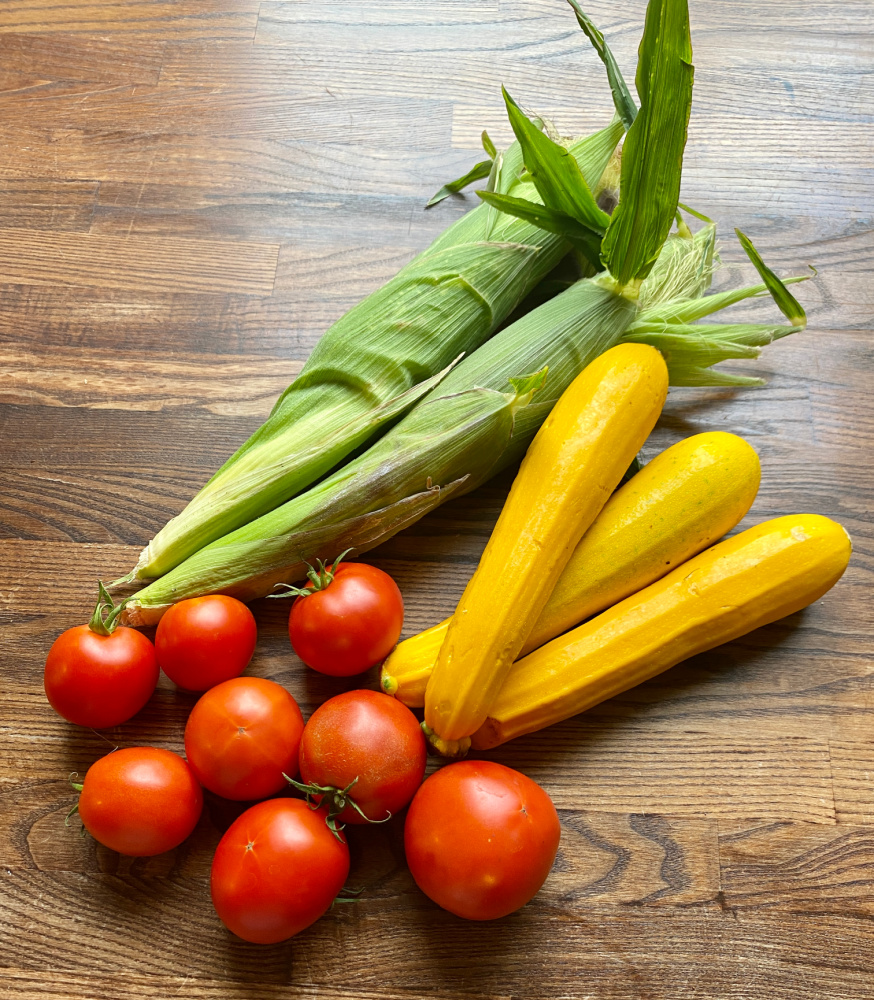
column 746, row 581
column 573, row 465
column 685, row 499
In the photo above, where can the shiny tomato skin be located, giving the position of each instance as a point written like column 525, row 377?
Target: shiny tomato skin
column 276, row 870
column 205, row 640
column 241, row 736
column 140, row 801
column 370, row 736
column 349, row 626
column 100, row 680
column 480, row 839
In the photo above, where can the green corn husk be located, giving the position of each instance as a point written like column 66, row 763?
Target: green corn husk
column 452, row 442
column 378, row 360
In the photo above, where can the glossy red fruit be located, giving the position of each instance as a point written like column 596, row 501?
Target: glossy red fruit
column 351, row 623
column 140, row 801
column 205, row 640
column 480, row 839
column 100, row 680
column 241, row 736
column 276, row 870
column 370, row 739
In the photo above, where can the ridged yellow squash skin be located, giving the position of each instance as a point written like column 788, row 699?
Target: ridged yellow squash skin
column 573, row 465
column 685, row 499
column 754, row 578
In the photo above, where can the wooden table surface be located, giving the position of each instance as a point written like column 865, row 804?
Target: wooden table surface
column 190, row 192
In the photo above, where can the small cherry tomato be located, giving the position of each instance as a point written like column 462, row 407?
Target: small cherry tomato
column 276, row 870
column 140, row 801
column 480, row 839
column 100, row 674
column 241, row 736
column 348, row 618
column 205, row 640
column 367, row 748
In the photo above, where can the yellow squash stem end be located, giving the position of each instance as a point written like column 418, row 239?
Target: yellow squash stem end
column 455, row 749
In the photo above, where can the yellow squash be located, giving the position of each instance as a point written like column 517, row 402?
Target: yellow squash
column 573, row 465
column 685, row 499
column 746, row 581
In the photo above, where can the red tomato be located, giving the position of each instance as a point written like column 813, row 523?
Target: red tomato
column 480, row 839
column 140, row 801
column 276, row 870
column 241, row 736
column 100, row 680
column 205, row 640
column 369, row 736
column 351, row 624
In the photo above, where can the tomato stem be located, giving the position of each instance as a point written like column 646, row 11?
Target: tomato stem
column 104, row 621
column 320, row 579
column 337, row 800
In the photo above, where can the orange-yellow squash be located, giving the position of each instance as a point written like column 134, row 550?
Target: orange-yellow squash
column 573, row 465
column 744, row 582
column 685, row 499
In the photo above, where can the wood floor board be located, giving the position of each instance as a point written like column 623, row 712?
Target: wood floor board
column 144, row 263
column 147, row 19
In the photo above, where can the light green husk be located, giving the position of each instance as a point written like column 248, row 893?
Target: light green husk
column 374, row 363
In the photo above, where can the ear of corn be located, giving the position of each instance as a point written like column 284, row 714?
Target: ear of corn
column 573, row 465
column 443, row 440
column 682, row 501
column 370, row 365
column 749, row 580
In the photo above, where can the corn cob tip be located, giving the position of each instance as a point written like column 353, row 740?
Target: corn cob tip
column 456, row 749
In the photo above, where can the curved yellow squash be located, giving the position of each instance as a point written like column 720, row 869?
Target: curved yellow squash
column 685, row 499
column 746, row 581
column 573, row 465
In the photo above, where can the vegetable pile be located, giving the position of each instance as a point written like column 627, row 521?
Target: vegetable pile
column 598, row 575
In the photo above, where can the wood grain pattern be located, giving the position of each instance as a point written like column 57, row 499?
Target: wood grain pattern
column 190, row 193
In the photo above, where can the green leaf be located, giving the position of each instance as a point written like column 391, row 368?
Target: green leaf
column 622, row 99
column 488, row 145
column 692, row 211
column 652, row 159
column 555, row 172
column 476, row 173
column 786, row 302
column 577, row 235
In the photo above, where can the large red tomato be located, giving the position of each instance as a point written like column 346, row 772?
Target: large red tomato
column 371, row 740
column 241, row 736
column 205, row 640
column 140, row 801
column 276, row 870
column 100, row 680
column 349, row 619
column 480, row 839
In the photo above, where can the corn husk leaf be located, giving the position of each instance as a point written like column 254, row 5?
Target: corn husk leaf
column 579, row 237
column 652, row 157
column 555, row 172
column 786, row 302
column 476, row 173
column 622, row 99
